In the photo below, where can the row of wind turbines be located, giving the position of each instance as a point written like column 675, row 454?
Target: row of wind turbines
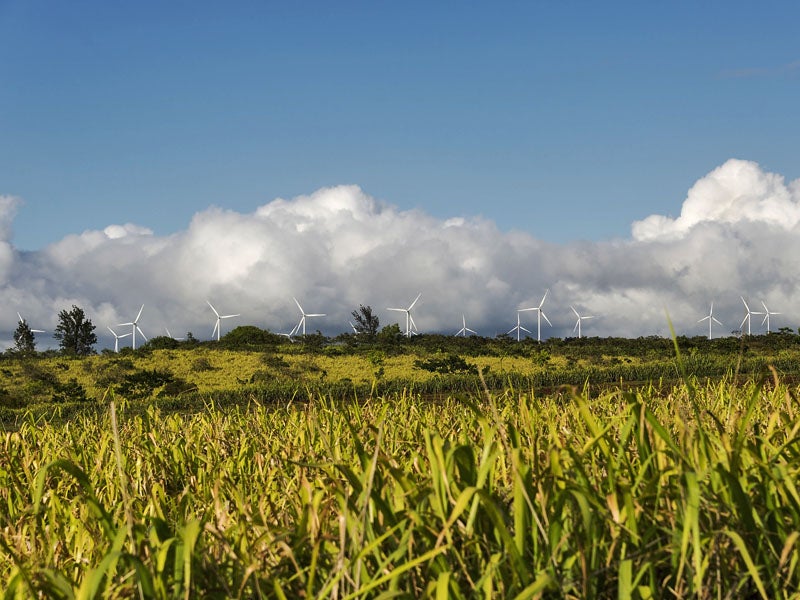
column 747, row 317
column 411, row 326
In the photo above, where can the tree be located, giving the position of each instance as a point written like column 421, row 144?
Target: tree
column 75, row 332
column 365, row 322
column 24, row 339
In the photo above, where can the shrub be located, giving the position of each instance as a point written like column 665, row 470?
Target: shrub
column 202, row 364
column 72, row 391
column 451, row 363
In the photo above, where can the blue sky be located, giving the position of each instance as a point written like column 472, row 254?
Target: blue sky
column 565, row 120
column 632, row 158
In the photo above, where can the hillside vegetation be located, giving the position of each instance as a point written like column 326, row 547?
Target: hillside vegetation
column 252, row 364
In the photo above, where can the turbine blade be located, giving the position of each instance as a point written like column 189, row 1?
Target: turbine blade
column 216, row 326
column 544, row 316
column 523, row 329
column 547, row 291
column 415, row 301
column 141, row 333
column 716, row 321
column 316, row 315
column 212, row 308
column 20, row 318
column 745, row 304
column 575, row 311
column 229, row 316
column 578, row 322
column 298, row 305
column 136, row 320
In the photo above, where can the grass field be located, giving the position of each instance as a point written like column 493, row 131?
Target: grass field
column 631, row 495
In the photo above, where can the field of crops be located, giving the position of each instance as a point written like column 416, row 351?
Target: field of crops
column 621, row 494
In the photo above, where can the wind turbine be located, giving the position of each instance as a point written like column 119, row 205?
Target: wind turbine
column 21, row 320
column 539, row 315
column 305, row 315
column 578, row 322
column 747, row 316
column 134, row 327
column 712, row 319
column 519, row 327
column 410, row 325
column 117, row 338
column 767, row 313
column 463, row 331
column 218, row 324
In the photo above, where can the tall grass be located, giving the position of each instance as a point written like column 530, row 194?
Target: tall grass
column 626, row 494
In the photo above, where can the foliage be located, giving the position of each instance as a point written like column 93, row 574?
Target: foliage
column 569, row 495
column 162, row 342
column 249, row 337
column 72, row 391
column 142, row 384
column 75, row 332
column 24, row 340
column 365, row 321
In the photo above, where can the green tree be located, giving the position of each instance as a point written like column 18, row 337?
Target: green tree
column 365, row 321
column 24, row 340
column 75, row 332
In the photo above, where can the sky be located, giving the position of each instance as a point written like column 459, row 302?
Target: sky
column 633, row 158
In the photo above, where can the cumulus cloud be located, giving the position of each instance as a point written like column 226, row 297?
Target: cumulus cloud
column 737, row 234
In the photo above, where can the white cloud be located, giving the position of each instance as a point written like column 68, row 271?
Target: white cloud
column 736, row 192
column 737, row 234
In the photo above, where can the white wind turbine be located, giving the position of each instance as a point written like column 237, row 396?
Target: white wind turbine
column 711, row 319
column 464, row 329
column 135, row 327
column 117, row 338
column 539, row 315
column 218, row 323
column 747, row 316
column 767, row 314
column 305, row 315
column 21, row 320
column 410, row 325
column 518, row 328
column 578, row 322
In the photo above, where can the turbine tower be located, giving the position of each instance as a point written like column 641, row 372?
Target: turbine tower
column 767, row 314
column 410, row 325
column 578, row 322
column 218, row 323
column 712, row 319
column 305, row 315
column 135, row 327
column 539, row 315
column 464, row 329
column 747, row 316
column 117, row 338
column 21, row 320
column 519, row 327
